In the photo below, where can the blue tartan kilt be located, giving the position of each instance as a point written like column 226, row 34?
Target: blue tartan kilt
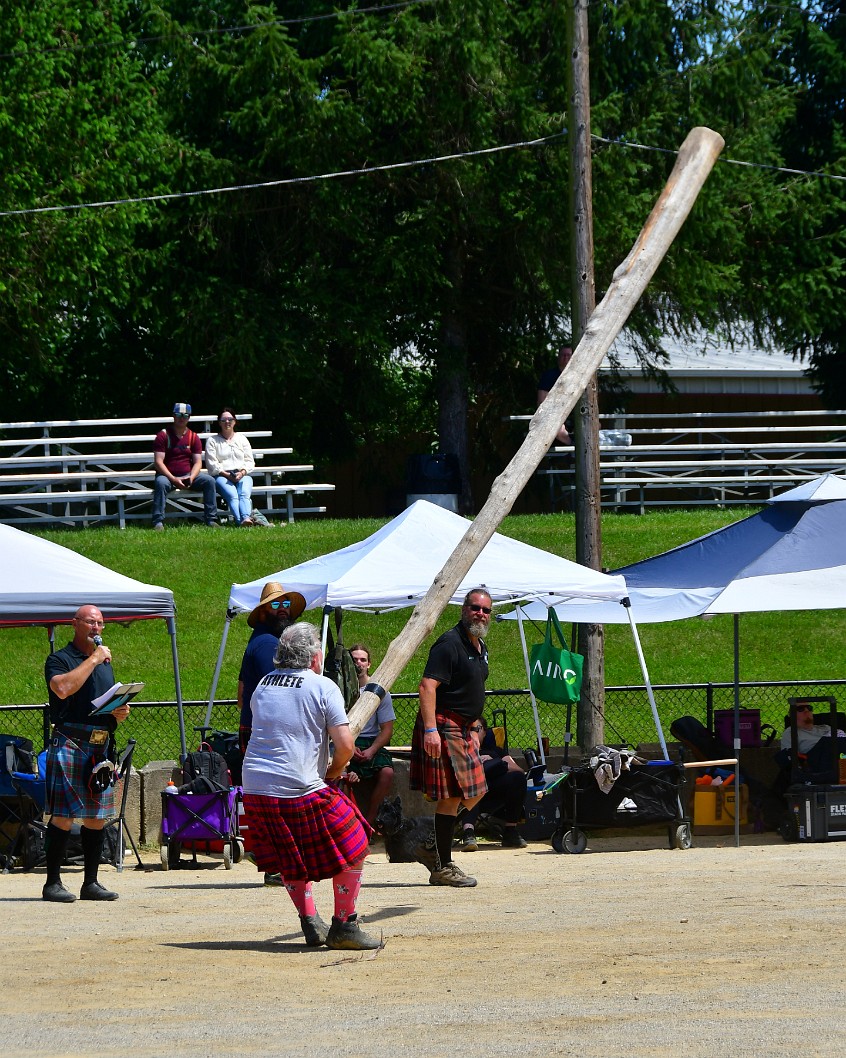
column 69, row 764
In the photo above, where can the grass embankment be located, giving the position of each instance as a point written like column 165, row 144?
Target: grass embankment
column 200, row 565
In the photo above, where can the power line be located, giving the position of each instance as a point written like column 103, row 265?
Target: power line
column 282, row 183
column 73, row 207
column 726, row 161
column 223, row 30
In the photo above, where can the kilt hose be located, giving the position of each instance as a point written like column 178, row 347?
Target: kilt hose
column 306, row 838
column 458, row 772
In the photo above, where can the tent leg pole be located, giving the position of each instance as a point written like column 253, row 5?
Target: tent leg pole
column 324, row 632
column 531, row 693
column 737, row 797
column 649, row 693
column 217, row 668
column 171, row 627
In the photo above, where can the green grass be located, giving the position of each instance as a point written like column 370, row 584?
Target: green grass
column 199, row 566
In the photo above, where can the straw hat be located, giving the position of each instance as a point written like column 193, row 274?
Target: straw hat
column 270, row 593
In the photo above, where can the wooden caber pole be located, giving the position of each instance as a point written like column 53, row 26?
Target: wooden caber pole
column 696, row 158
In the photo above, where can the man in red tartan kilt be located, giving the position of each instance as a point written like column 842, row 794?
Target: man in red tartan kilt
column 302, row 826
column 445, row 762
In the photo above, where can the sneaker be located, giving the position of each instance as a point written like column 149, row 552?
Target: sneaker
column 314, row 930
column 468, row 841
column 349, row 936
column 212, row 525
column 159, row 527
column 95, row 891
column 273, row 880
column 511, row 839
column 57, row 893
column 452, row 874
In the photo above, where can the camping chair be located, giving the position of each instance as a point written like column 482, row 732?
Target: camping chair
column 23, row 790
column 820, row 765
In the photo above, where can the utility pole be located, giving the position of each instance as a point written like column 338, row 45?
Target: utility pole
column 591, row 638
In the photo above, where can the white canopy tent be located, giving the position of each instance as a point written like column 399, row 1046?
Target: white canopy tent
column 395, row 567
column 42, row 583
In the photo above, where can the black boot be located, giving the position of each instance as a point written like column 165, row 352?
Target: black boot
column 55, row 846
column 92, row 851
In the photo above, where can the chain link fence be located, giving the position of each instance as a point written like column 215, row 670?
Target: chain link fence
column 628, row 717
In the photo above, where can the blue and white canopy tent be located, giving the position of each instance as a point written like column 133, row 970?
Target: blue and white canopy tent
column 791, row 555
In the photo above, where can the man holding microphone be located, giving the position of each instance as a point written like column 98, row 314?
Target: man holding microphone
column 75, row 676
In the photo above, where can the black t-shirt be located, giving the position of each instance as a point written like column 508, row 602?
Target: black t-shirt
column 461, row 672
column 76, row 708
column 548, row 379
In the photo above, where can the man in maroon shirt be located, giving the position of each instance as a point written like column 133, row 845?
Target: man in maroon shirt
column 178, row 459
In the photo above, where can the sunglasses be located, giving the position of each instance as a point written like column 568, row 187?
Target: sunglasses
column 285, row 604
column 804, row 708
column 478, row 609
column 477, row 729
column 225, row 419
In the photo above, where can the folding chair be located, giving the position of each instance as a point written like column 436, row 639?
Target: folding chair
column 23, row 790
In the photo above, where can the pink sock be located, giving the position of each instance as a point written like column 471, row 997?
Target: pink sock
column 346, row 885
column 300, row 892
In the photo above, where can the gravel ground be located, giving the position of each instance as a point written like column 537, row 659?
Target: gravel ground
column 628, row 949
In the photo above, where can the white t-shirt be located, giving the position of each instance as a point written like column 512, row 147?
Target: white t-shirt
column 288, row 752
column 383, row 714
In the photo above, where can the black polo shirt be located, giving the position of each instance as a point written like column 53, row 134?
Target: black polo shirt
column 461, row 672
column 76, row 708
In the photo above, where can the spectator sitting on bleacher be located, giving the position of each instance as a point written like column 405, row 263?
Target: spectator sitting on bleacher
column 545, row 384
column 178, row 459
column 229, row 459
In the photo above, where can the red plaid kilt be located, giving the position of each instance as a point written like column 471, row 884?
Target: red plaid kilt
column 458, row 772
column 67, row 780
column 306, row 838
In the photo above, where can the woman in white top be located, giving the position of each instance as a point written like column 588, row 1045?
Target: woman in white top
column 229, row 460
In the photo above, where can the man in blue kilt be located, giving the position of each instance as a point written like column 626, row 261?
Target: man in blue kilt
column 79, row 774
column 445, row 761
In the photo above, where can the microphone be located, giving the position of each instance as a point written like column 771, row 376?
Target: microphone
column 97, row 640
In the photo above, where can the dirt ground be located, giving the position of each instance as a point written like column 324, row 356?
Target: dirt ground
column 628, row 949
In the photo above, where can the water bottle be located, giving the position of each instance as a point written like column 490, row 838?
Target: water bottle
column 171, row 787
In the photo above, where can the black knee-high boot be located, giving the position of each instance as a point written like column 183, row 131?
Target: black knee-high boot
column 92, row 850
column 55, row 846
column 444, row 832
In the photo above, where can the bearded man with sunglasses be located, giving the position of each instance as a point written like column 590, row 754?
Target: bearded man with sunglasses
column 445, row 761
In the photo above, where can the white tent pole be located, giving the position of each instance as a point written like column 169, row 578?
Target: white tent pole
column 529, row 678
column 230, row 613
column 736, row 729
column 643, row 669
column 171, row 627
column 324, row 631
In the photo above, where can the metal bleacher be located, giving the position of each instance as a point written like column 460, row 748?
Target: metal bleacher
column 84, row 472
column 701, row 458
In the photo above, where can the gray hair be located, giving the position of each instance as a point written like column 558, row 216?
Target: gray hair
column 476, row 591
column 298, row 644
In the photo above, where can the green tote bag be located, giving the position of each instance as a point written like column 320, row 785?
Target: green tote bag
column 555, row 672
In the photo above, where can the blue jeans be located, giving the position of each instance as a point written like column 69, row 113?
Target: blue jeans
column 203, row 482
column 237, row 496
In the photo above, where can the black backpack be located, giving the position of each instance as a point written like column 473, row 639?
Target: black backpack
column 339, row 666
column 204, row 772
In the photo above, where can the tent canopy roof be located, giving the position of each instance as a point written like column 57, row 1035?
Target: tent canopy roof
column 396, row 566
column 789, row 556
column 44, row 583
